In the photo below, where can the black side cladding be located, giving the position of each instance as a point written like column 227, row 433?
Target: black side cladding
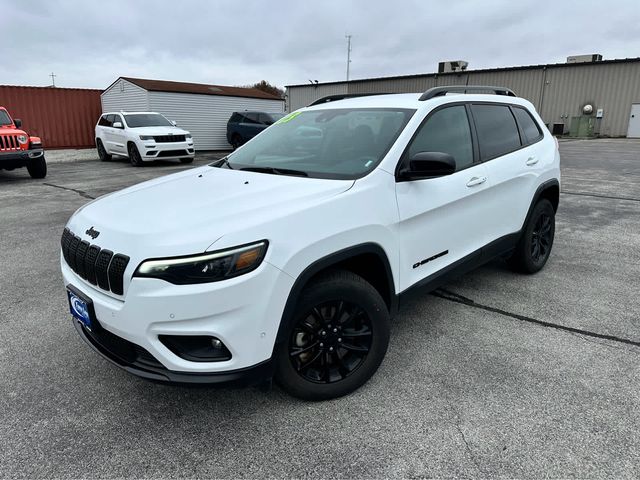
column 97, row 266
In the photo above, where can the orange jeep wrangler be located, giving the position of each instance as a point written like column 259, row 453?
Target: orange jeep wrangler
column 17, row 149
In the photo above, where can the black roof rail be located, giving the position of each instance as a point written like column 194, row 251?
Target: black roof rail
column 440, row 91
column 342, row 96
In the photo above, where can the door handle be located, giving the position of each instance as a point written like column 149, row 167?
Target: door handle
column 531, row 161
column 476, row 181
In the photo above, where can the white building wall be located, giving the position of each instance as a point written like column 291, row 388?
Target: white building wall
column 206, row 116
column 126, row 96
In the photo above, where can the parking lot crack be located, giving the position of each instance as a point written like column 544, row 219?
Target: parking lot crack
column 454, row 297
column 79, row 192
column 597, row 195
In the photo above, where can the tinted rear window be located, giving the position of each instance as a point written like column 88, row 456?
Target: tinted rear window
column 528, row 125
column 497, row 130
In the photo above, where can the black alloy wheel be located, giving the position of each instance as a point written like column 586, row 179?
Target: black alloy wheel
column 134, row 156
column 541, row 238
column 336, row 339
column 102, row 152
column 330, row 342
column 534, row 247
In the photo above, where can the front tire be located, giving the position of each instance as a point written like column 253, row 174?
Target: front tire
column 102, row 152
column 338, row 338
column 236, row 141
column 37, row 168
column 534, row 246
column 134, row 156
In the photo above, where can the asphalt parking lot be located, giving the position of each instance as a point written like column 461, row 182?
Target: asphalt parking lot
column 497, row 374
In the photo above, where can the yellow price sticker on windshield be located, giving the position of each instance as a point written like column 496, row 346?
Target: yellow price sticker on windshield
column 288, row 118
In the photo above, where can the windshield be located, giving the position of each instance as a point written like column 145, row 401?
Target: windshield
column 147, row 120
column 4, row 118
column 337, row 143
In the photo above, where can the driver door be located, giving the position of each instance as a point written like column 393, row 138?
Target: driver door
column 443, row 219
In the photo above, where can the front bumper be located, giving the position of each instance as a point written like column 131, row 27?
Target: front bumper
column 151, row 150
column 17, row 159
column 137, row 361
column 243, row 312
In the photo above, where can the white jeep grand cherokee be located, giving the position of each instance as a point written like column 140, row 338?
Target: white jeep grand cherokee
column 288, row 258
column 142, row 137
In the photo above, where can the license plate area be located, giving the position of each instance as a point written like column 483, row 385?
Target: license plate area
column 81, row 308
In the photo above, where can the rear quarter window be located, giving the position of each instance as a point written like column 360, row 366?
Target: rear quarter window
column 529, row 126
column 103, row 122
column 497, row 130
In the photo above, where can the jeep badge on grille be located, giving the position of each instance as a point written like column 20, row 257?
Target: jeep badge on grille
column 92, row 233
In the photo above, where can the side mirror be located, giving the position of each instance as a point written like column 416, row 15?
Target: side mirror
column 174, row 123
column 117, row 125
column 429, row 165
column 17, row 122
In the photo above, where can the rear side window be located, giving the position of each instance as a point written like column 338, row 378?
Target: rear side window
column 497, row 130
column 447, row 130
column 103, row 122
column 251, row 118
column 529, row 126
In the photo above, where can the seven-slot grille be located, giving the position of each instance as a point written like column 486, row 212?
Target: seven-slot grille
column 97, row 266
column 9, row 142
column 168, row 138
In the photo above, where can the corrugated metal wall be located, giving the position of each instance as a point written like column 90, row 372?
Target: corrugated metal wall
column 206, row 116
column 557, row 91
column 124, row 95
column 62, row 117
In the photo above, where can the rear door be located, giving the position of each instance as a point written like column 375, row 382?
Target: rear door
column 442, row 219
column 511, row 150
column 108, row 135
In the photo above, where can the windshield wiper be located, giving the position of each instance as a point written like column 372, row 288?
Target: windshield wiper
column 276, row 171
column 220, row 162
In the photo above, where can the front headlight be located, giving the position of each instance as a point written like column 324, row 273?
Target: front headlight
column 206, row 267
column 22, row 139
column 146, row 137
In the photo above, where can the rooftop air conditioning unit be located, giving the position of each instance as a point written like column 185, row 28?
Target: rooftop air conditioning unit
column 452, row 66
column 593, row 57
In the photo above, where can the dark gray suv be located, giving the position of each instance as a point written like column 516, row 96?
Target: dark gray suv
column 243, row 126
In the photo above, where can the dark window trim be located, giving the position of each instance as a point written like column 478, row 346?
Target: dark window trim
column 474, row 144
column 522, row 134
column 508, row 105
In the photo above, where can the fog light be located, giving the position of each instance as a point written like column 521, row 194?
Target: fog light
column 196, row 348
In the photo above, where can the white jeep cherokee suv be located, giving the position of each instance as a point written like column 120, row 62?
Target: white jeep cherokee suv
column 142, row 137
column 288, row 257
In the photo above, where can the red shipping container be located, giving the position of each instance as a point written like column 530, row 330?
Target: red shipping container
column 62, row 117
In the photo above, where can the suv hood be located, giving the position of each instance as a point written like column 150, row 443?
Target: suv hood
column 158, row 130
column 187, row 212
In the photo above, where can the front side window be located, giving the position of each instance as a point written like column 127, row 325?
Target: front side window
column 135, row 120
column 528, row 125
column 337, row 143
column 497, row 130
column 447, row 131
column 117, row 118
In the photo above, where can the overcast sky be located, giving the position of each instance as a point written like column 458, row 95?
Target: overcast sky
column 91, row 43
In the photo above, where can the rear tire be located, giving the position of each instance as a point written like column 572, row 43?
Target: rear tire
column 186, row 160
column 236, row 141
column 134, row 156
column 534, row 246
column 37, row 168
column 102, row 152
column 337, row 340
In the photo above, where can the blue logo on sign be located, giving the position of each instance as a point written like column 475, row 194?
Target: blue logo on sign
column 80, row 308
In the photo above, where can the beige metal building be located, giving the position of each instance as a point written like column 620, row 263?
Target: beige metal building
column 559, row 92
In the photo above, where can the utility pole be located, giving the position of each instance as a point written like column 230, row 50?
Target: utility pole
column 53, row 79
column 348, row 37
